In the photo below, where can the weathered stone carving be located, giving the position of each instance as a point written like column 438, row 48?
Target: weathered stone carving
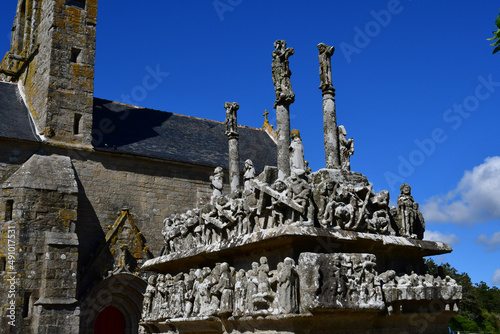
column 346, row 149
column 296, row 152
column 325, row 66
column 248, row 174
column 217, row 183
column 223, row 291
column 231, row 118
column 410, row 220
column 287, row 291
column 419, row 287
column 281, row 73
column 149, row 297
column 297, row 200
column 320, row 281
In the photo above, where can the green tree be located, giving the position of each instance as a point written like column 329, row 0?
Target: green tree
column 479, row 309
column 496, row 36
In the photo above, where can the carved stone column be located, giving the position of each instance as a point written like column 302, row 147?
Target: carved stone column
column 331, row 137
column 234, row 154
column 283, row 126
column 284, row 97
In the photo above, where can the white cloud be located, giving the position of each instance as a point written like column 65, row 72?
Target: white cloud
column 450, row 239
column 495, row 280
column 475, row 199
column 492, row 244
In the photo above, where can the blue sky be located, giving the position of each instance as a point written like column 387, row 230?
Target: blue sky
column 417, row 88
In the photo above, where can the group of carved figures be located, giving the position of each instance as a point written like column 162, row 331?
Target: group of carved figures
column 223, row 291
column 345, row 280
column 350, row 280
column 296, row 200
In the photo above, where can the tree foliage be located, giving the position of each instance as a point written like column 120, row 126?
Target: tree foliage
column 496, row 35
column 479, row 309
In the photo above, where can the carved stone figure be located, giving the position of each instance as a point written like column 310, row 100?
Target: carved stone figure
column 189, row 293
column 325, row 65
column 345, row 214
column 149, row 296
column 252, row 286
column 197, row 300
column 217, row 183
column 379, row 222
column 202, row 297
column 215, row 292
column 231, row 118
column 287, row 289
column 330, row 279
column 328, row 202
column 264, row 297
column 240, row 293
column 296, row 152
column 248, row 174
column 160, row 305
column 177, row 298
column 281, row 73
column 346, row 148
column 278, row 209
column 300, row 192
column 225, row 287
column 406, row 211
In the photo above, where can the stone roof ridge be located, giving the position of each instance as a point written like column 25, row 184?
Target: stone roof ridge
column 44, row 172
column 176, row 114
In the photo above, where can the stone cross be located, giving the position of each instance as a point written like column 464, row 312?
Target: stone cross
column 234, row 155
column 331, row 138
column 284, row 97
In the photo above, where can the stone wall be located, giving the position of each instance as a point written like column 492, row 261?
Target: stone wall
column 151, row 190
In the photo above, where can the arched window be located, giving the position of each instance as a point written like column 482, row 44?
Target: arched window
column 110, row 321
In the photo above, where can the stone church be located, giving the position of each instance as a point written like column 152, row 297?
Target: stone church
column 86, row 182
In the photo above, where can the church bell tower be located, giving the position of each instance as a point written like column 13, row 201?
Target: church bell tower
column 52, row 58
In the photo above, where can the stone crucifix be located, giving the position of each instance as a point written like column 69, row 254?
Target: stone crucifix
column 284, row 97
column 282, row 73
column 234, row 154
column 331, row 138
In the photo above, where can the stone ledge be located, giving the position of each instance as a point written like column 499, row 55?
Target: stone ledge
column 49, row 301
column 301, row 239
column 372, row 321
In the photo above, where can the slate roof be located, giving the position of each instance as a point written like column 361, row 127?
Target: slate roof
column 146, row 132
column 167, row 136
column 14, row 119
